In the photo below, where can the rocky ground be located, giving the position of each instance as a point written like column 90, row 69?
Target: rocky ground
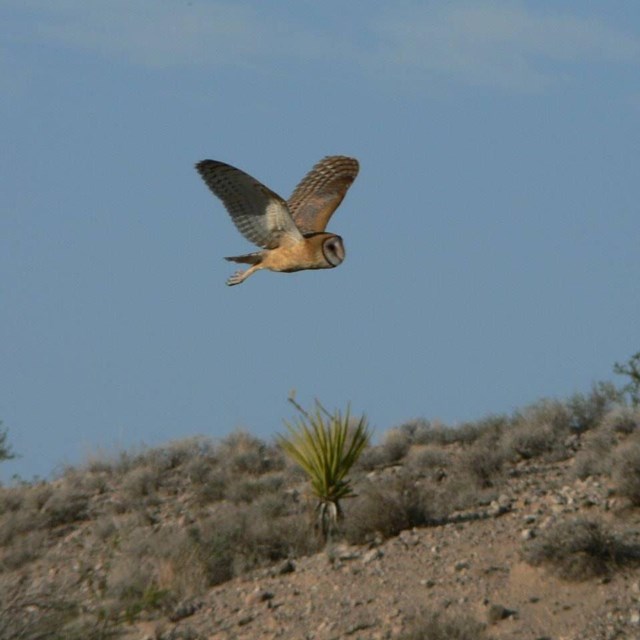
column 523, row 527
column 470, row 566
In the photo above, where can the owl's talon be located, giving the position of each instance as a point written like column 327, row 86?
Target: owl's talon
column 236, row 278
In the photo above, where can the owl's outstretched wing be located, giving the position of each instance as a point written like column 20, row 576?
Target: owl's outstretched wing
column 261, row 215
column 321, row 191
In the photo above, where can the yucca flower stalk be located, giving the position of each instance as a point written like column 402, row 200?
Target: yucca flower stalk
column 326, row 446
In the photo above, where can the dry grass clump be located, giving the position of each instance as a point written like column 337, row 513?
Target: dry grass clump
column 579, row 549
column 425, row 432
column 595, row 457
column 153, row 569
column 25, row 548
column 543, row 428
column 622, row 420
column 483, row 462
column 429, row 462
column 587, row 410
column 539, row 429
column 243, row 454
column 28, row 613
column 626, row 470
column 383, row 508
column 399, row 441
column 396, row 444
column 439, row 626
column 244, row 539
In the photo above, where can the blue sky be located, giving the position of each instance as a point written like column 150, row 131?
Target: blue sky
column 492, row 235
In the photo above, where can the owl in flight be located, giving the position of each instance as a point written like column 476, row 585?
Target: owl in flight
column 291, row 232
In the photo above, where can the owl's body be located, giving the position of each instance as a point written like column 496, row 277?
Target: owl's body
column 291, row 233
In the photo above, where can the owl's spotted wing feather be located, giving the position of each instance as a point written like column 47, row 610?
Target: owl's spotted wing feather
column 261, row 215
column 321, row 191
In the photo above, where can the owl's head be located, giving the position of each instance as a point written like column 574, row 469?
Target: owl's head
column 333, row 250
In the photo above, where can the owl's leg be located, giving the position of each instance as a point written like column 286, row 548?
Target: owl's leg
column 241, row 276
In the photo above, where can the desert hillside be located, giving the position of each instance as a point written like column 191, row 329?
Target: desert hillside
column 514, row 526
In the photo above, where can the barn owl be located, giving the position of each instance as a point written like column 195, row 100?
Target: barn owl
column 291, row 232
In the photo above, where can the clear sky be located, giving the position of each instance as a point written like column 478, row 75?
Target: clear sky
column 492, row 235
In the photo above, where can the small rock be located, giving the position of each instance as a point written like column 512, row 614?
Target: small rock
column 461, row 565
column 528, row 534
column 345, row 552
column 408, row 538
column 634, row 618
column 496, row 508
column 184, row 610
column 288, row 566
column 371, row 555
column 497, row 612
column 245, row 620
column 258, row 595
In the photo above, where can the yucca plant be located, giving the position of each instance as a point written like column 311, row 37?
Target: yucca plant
column 326, row 446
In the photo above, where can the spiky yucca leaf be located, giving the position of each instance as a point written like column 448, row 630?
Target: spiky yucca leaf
column 326, row 446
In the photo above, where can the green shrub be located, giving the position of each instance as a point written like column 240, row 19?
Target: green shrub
column 326, row 446
column 5, row 450
column 631, row 369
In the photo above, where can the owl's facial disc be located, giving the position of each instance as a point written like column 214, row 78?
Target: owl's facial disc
column 333, row 250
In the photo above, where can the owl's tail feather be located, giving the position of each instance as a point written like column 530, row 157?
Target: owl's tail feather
column 249, row 258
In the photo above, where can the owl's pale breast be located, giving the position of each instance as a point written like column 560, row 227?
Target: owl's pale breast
column 303, row 255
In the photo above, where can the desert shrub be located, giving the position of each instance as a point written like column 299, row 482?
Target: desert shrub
column 538, row 430
column 439, row 626
column 489, row 428
column 578, row 549
column 211, row 488
column 178, row 453
column 249, row 489
column 242, row 453
column 20, row 522
column 372, row 457
column 154, row 569
column 396, row 444
column 11, row 499
column 24, row 548
column 104, row 528
column 66, row 505
column 240, row 538
column 387, row 507
column 626, row 465
column 429, row 462
column 34, row 613
column 483, row 463
column 621, row 419
column 587, row 410
column 425, row 432
column 140, row 482
column 595, row 457
column 631, row 369
column 545, row 412
column 5, row 449
column 36, row 495
column 533, row 440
